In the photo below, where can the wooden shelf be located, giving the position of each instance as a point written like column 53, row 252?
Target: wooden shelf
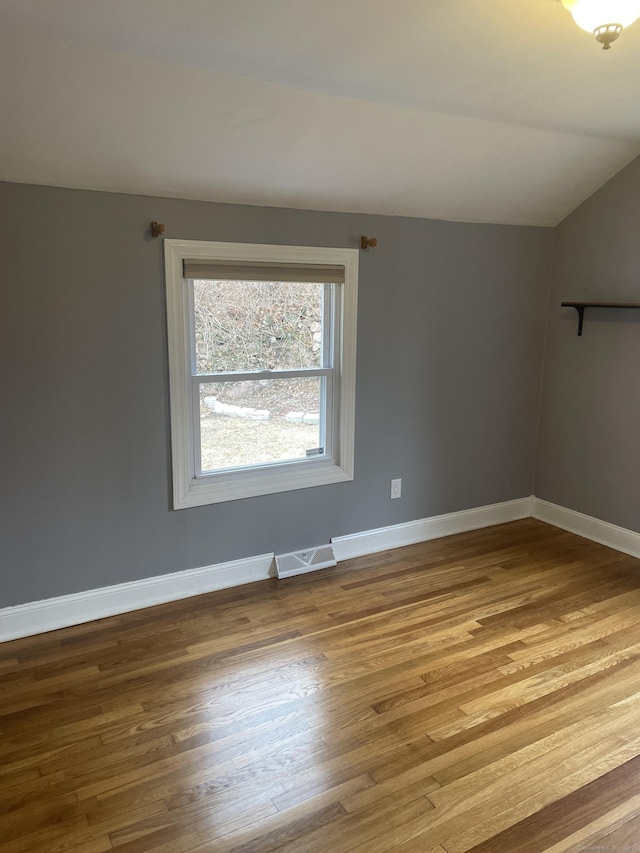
column 580, row 306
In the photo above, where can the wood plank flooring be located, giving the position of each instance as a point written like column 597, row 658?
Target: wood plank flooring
column 474, row 694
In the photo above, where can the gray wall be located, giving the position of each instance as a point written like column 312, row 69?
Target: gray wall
column 450, row 345
column 589, row 450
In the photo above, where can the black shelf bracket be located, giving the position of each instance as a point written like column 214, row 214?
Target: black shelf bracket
column 580, row 306
column 580, row 310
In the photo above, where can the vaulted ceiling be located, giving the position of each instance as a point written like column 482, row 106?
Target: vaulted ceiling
column 477, row 110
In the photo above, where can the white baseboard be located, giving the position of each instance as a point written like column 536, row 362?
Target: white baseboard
column 603, row 532
column 37, row 617
column 411, row 532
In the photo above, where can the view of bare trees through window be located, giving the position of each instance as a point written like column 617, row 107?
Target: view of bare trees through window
column 262, row 325
column 243, row 326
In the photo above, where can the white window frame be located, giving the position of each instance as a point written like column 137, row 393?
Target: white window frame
column 193, row 489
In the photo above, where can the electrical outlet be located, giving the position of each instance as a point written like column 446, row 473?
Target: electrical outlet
column 396, row 489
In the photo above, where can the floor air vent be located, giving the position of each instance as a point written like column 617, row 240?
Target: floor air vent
column 299, row 562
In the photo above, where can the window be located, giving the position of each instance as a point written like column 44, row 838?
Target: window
column 262, row 344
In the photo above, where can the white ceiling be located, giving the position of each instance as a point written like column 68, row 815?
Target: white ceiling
column 479, row 110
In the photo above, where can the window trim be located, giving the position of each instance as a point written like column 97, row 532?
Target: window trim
column 189, row 490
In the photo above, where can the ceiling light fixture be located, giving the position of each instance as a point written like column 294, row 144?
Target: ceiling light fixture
column 604, row 18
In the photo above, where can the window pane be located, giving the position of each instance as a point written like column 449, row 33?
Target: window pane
column 258, row 422
column 245, row 326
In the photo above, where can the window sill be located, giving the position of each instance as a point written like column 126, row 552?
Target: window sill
column 217, row 488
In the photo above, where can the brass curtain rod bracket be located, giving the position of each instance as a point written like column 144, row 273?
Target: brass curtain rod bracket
column 365, row 242
column 157, row 229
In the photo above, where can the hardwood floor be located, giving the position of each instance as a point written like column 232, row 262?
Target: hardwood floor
column 477, row 693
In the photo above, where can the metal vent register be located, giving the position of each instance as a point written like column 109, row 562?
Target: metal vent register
column 300, row 562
